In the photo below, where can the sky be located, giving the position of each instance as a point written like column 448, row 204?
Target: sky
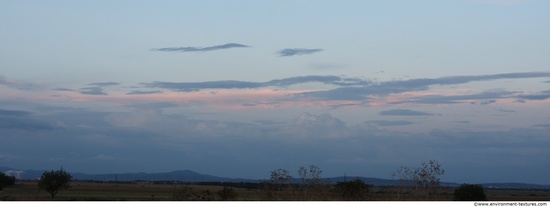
column 241, row 88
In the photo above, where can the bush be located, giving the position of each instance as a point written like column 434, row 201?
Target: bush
column 352, row 190
column 227, row 194
column 469, row 192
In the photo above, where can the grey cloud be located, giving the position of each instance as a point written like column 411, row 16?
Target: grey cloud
column 232, row 84
column 505, row 110
column 195, row 86
column 268, row 122
column 21, row 85
column 4, row 112
column 62, row 89
column 543, row 95
column 13, row 122
column 140, row 92
column 438, row 99
column 389, row 123
column 104, row 84
column 487, row 102
column 200, row 49
column 400, row 86
column 404, row 112
column 154, row 105
column 92, row 91
column 297, row 51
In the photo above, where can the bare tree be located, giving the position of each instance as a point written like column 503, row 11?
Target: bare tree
column 310, row 177
column 424, row 179
column 281, row 176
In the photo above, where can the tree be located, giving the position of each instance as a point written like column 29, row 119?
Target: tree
column 280, row 177
column 53, row 181
column 470, row 192
column 424, row 178
column 310, row 176
column 6, row 180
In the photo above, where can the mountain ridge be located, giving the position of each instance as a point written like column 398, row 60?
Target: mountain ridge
column 192, row 176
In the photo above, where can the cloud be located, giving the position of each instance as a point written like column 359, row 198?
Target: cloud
column 206, row 146
column 104, row 84
column 232, row 84
column 389, row 123
column 92, row 91
column 505, row 110
column 153, row 105
column 21, row 85
column 27, row 124
column 17, row 113
column 404, row 112
column 200, row 49
column 62, row 89
column 422, row 84
column 543, row 95
column 140, row 92
column 297, row 51
column 487, row 102
column 486, row 96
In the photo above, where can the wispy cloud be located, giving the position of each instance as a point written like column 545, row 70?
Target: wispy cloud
column 422, row 84
column 389, row 123
column 200, row 49
column 21, row 85
column 104, row 84
column 543, row 95
column 140, row 92
column 17, row 113
column 92, row 91
column 153, row 105
column 297, row 51
column 404, row 112
column 16, row 119
column 232, row 84
column 486, row 97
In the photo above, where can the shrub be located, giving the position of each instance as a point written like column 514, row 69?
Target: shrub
column 227, row 194
column 352, row 190
column 469, row 192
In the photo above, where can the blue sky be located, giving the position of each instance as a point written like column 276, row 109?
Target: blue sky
column 241, row 88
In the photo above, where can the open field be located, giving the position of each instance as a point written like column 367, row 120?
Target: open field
column 89, row 191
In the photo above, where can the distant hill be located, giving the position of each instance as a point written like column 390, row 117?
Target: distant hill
column 191, row 176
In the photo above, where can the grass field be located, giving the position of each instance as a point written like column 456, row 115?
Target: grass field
column 88, row 191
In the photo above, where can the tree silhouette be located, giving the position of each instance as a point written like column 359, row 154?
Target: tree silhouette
column 53, row 181
column 6, row 180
